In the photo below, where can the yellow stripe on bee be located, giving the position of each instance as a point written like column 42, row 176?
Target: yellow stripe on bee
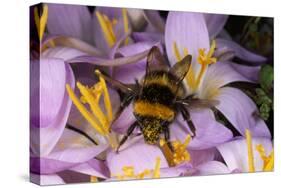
column 153, row 110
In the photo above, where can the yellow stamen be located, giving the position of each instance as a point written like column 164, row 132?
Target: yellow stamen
column 126, row 24
column 91, row 100
column 250, row 151
column 106, row 97
column 176, row 51
column 129, row 172
column 107, row 28
column 41, row 22
column 180, row 153
column 156, row 172
column 268, row 161
column 205, row 60
column 86, row 114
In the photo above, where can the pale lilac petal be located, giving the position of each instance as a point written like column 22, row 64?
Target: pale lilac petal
column 70, row 20
column 201, row 156
column 215, row 23
column 189, row 31
column 52, row 87
column 128, row 73
column 155, row 20
column 139, row 155
column 111, row 62
column 71, row 42
column 240, row 111
column 92, row 167
column 148, row 36
column 235, row 153
column 72, row 149
column 220, row 74
column 50, row 135
column 212, row 168
column 124, row 121
column 240, row 51
column 52, row 179
column 63, row 53
column 209, row 132
column 179, row 170
column 249, row 72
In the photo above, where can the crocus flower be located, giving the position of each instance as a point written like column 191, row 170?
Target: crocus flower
column 250, row 154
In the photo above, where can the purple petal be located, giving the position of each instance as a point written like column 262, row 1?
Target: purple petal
column 155, row 20
column 201, row 156
column 64, row 53
column 209, row 132
column 52, row 179
column 111, row 62
column 128, row 73
column 215, row 23
column 235, row 153
column 71, row 42
column 212, row 168
column 220, row 74
column 93, row 167
column 249, row 72
column 187, row 30
column 240, row 51
column 139, row 155
column 148, row 36
column 179, row 170
column 70, row 20
column 52, row 82
column 240, row 111
column 72, row 149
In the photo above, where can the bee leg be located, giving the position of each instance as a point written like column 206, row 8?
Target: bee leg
column 167, row 138
column 186, row 116
column 129, row 132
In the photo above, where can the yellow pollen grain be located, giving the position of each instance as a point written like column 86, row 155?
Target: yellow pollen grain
column 41, row 22
column 250, row 151
column 82, row 109
column 107, row 28
column 154, row 110
column 126, row 24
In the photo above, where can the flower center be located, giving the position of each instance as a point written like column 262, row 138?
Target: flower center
column 108, row 26
column 99, row 120
column 204, row 59
column 268, row 161
column 180, row 153
column 41, row 22
column 129, row 172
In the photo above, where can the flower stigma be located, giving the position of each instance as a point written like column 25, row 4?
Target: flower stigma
column 268, row 161
column 129, row 172
column 180, row 153
column 91, row 96
column 41, row 22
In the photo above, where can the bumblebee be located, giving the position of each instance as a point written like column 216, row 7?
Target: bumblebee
column 158, row 98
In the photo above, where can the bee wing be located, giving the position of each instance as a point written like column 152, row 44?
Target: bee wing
column 155, row 60
column 125, row 88
column 199, row 103
column 181, row 68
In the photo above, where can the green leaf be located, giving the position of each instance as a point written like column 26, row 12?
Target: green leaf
column 266, row 77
